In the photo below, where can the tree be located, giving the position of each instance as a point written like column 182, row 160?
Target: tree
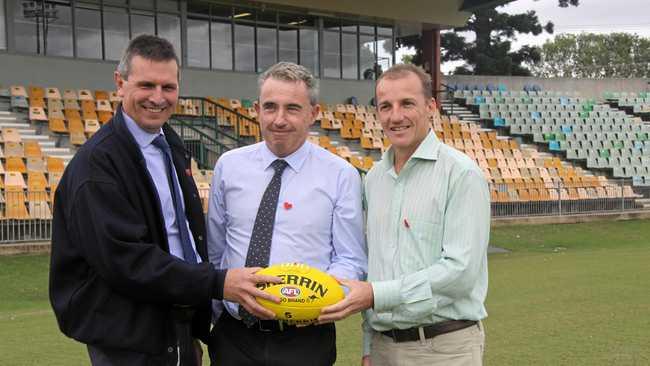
column 490, row 52
column 588, row 55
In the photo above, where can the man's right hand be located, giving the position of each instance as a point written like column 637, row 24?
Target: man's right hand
column 239, row 287
column 365, row 361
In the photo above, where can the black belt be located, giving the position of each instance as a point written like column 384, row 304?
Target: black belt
column 430, row 331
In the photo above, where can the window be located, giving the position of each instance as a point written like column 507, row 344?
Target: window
column 142, row 24
column 3, row 36
column 58, row 36
column 198, row 47
column 368, row 52
column 35, row 33
column 169, row 27
column 116, row 32
column 331, row 54
column 221, row 46
column 349, row 53
column 309, row 50
column 244, row 47
column 167, row 5
column 89, row 33
column 288, row 38
column 266, row 47
column 384, row 48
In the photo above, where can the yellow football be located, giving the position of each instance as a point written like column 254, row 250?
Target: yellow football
column 303, row 293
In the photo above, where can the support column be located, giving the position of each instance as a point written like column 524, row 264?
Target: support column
column 431, row 57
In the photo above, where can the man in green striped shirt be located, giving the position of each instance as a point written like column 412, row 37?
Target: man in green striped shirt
column 427, row 232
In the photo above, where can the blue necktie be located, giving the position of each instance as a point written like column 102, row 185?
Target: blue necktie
column 259, row 249
column 186, row 243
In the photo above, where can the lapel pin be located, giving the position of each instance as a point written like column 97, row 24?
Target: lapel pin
column 287, row 205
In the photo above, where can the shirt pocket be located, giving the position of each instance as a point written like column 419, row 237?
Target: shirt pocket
column 425, row 243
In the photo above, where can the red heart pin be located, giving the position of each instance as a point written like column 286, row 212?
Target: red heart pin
column 287, row 205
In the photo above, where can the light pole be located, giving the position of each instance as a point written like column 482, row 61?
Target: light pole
column 40, row 11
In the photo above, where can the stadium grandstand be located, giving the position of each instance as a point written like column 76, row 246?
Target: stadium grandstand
column 547, row 148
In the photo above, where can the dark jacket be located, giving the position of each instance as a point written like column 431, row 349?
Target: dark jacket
column 113, row 282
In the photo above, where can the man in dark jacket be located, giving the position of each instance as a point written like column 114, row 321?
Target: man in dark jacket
column 129, row 270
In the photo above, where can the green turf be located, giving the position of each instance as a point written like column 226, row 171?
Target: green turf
column 565, row 295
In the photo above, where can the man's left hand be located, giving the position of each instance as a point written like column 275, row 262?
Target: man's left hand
column 360, row 297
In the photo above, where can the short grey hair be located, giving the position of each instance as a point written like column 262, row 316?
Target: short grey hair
column 149, row 47
column 288, row 71
column 399, row 71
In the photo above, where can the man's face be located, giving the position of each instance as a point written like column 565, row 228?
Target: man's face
column 150, row 94
column 404, row 111
column 285, row 114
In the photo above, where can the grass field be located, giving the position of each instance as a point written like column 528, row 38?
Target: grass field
column 565, row 295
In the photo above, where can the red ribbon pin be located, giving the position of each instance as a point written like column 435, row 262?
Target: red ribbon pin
column 287, row 205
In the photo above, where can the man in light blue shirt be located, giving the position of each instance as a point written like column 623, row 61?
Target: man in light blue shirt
column 317, row 219
column 427, row 229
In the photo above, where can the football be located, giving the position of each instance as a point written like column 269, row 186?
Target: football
column 303, row 292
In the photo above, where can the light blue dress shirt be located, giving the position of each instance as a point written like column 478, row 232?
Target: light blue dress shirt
column 319, row 219
column 156, row 167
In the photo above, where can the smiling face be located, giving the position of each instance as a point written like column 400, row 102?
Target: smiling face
column 150, row 93
column 404, row 112
column 285, row 114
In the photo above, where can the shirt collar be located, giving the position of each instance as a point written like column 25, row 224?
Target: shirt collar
column 295, row 159
column 142, row 137
column 429, row 149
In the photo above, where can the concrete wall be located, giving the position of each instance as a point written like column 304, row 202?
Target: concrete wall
column 67, row 73
column 592, row 88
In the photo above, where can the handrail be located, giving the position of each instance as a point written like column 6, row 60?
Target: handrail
column 208, row 149
column 243, row 127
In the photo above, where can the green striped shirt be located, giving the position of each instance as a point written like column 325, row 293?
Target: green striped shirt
column 427, row 231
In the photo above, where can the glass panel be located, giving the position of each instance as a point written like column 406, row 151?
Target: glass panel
column 348, row 26
column 331, row 23
column 221, row 46
column 58, row 31
column 331, row 54
column 89, row 33
column 142, row 24
column 141, row 4
column 288, row 44
column 368, row 52
column 168, row 5
column 244, row 47
column 169, row 27
column 115, row 2
column 309, row 50
column 368, row 29
column 266, row 47
column 27, row 27
column 116, row 32
column 349, row 49
column 384, row 53
column 3, row 36
column 385, row 31
column 198, row 49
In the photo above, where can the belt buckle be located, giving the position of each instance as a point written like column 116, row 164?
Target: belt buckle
column 269, row 329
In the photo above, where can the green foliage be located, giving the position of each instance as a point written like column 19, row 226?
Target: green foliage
column 490, row 53
column 589, row 55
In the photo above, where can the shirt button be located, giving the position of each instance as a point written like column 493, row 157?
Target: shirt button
column 170, row 349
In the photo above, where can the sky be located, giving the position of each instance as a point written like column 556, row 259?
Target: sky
column 594, row 16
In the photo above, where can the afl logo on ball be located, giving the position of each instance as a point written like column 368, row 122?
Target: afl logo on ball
column 290, row 291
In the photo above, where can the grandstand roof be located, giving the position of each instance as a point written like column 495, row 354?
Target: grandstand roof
column 445, row 13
